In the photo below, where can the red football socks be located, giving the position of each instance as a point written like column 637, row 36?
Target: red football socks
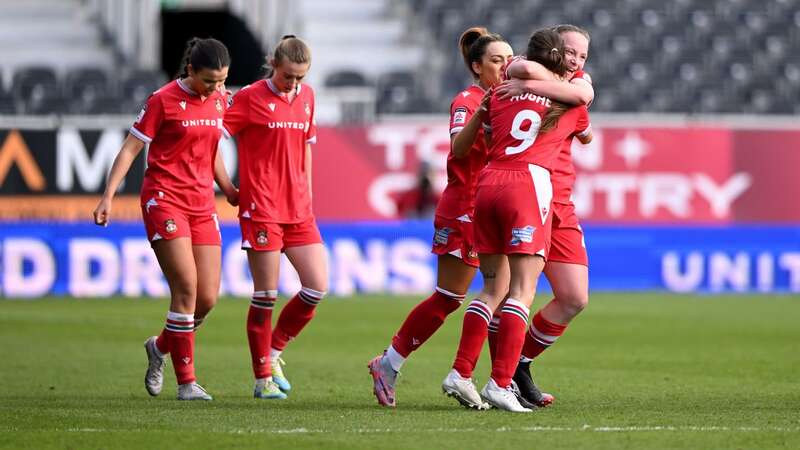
column 295, row 316
column 473, row 335
column 510, row 337
column 494, row 327
column 541, row 334
column 424, row 320
column 259, row 331
column 179, row 334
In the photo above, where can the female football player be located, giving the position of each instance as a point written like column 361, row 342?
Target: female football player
column 274, row 122
column 182, row 123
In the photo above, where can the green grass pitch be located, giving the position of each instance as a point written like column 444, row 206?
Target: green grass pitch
column 634, row 371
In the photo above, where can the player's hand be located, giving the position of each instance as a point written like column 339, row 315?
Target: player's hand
column 103, row 212
column 233, row 197
column 510, row 88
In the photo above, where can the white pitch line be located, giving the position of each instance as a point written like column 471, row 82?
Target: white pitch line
column 584, row 428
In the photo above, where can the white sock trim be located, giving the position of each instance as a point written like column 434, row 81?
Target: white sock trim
column 271, row 293
column 273, row 353
column 180, row 317
column 450, row 294
column 313, row 293
column 481, row 309
column 518, row 304
column 396, row 360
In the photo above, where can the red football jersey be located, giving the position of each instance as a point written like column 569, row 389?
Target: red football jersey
column 458, row 197
column 272, row 137
column 563, row 174
column 515, row 123
column 183, row 131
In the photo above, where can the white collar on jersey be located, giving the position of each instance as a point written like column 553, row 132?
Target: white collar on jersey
column 479, row 87
column 275, row 90
column 186, row 88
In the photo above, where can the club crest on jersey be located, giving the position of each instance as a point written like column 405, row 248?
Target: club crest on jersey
column 170, row 226
column 472, row 254
column 182, row 104
column 460, row 116
column 307, row 108
column 441, row 236
column 520, row 235
column 218, row 105
column 271, row 106
column 261, row 237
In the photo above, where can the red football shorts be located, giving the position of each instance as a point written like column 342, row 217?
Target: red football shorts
column 268, row 236
column 166, row 222
column 455, row 237
column 567, row 243
column 512, row 210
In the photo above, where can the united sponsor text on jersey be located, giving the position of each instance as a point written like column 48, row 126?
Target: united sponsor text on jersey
column 202, row 123
column 290, row 125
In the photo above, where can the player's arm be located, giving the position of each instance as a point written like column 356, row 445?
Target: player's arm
column 131, row 148
column 462, row 141
column 584, row 126
column 529, row 76
column 576, row 92
column 528, row 70
column 224, row 180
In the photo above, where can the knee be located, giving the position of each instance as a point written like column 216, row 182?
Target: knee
column 184, row 292
column 205, row 303
column 574, row 302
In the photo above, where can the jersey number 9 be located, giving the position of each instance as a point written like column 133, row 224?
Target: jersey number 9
column 526, row 136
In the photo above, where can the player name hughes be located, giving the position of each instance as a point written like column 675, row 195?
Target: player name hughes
column 532, row 97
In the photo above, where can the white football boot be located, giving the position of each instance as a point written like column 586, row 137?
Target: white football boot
column 502, row 398
column 192, row 391
column 154, row 377
column 462, row 389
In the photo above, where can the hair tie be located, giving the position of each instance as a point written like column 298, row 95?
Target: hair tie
column 554, row 50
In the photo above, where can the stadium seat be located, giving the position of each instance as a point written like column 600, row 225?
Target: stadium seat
column 346, row 78
column 395, row 91
column 48, row 105
column 36, row 88
column 34, row 81
column 84, row 87
column 137, row 86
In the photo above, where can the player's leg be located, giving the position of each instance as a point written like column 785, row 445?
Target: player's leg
column 525, row 270
column 568, row 274
column 176, row 259
column 458, row 383
column 311, row 264
column 453, row 280
column 265, row 269
column 208, row 260
column 207, row 249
